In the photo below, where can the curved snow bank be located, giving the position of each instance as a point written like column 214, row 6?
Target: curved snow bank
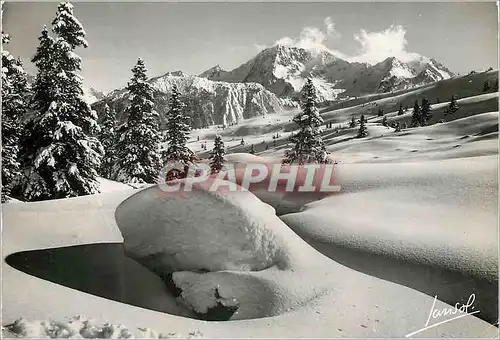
column 312, row 297
column 441, row 214
column 79, row 327
column 205, row 230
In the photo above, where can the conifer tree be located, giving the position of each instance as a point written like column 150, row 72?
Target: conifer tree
column 60, row 156
column 380, row 112
column 217, row 159
column 108, row 139
column 486, row 86
column 15, row 92
column 425, row 111
column 178, row 129
column 453, row 106
column 362, row 131
column 362, row 118
column 400, row 111
column 397, row 127
column 308, row 144
column 137, row 151
column 384, row 121
column 352, row 123
column 242, row 142
column 252, row 149
column 495, row 85
column 416, row 116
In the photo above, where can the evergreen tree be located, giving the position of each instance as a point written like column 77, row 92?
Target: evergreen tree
column 243, row 142
column 252, row 149
column 217, row 159
column 108, row 139
column 178, row 130
column 384, row 121
column 416, row 118
column 380, row 112
column 60, row 156
column 453, row 106
column 15, row 91
column 397, row 127
column 137, row 150
column 309, row 146
column 352, row 123
column 362, row 118
column 362, row 131
column 495, row 85
column 425, row 111
column 486, row 86
column 400, row 111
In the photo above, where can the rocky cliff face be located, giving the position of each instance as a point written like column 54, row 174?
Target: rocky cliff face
column 207, row 102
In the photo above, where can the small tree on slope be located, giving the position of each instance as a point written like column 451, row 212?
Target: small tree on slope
column 107, row 138
column 309, row 146
column 362, row 131
column 416, row 116
column 217, row 159
column 453, row 106
column 15, row 92
column 400, row 111
column 426, row 111
column 178, row 130
column 137, row 149
column 64, row 157
column 352, row 123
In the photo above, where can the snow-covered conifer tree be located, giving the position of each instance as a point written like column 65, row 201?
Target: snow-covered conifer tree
column 453, row 106
column 178, row 130
column 15, row 92
column 400, row 111
column 362, row 131
column 60, row 155
column 309, row 146
column 217, row 159
column 425, row 111
column 108, row 139
column 137, row 149
column 352, row 123
column 416, row 118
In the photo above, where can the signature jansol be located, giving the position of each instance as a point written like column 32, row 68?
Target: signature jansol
column 452, row 312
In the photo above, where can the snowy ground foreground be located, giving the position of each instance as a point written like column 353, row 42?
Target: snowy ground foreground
column 111, row 186
column 301, row 293
column 79, row 327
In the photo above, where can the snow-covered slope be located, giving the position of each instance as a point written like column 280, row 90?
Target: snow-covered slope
column 283, row 70
column 208, row 102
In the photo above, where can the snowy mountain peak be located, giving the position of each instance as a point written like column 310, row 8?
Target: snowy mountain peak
column 213, row 72
column 175, row 74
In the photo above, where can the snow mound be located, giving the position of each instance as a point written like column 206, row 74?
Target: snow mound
column 202, row 231
column 79, row 327
column 441, row 213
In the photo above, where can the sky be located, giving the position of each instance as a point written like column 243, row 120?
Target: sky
column 193, row 37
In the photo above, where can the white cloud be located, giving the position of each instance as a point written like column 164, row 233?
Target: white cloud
column 377, row 46
column 311, row 38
